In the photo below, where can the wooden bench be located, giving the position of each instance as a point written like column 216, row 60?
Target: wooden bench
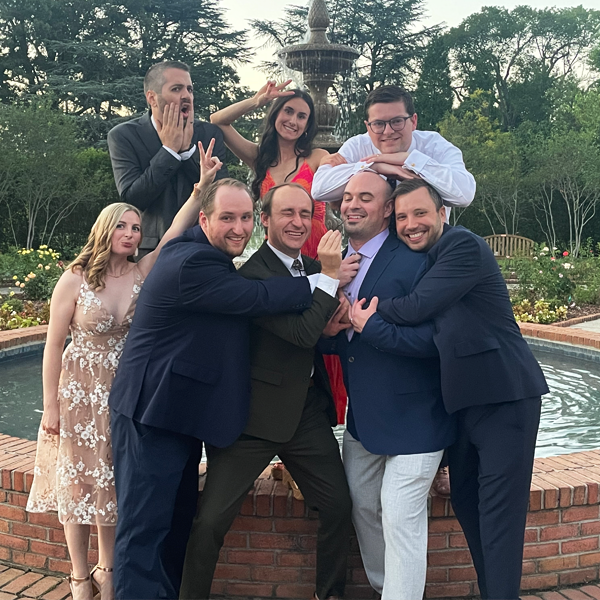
column 505, row 246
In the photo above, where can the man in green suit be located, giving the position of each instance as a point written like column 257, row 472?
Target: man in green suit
column 291, row 410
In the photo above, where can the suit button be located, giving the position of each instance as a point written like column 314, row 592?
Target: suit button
column 351, row 359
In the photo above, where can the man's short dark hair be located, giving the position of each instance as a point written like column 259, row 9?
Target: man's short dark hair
column 386, row 94
column 410, row 185
column 266, row 203
column 207, row 202
column 155, row 79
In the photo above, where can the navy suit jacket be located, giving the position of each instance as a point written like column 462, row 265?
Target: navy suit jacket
column 392, row 373
column 151, row 178
column 484, row 358
column 186, row 363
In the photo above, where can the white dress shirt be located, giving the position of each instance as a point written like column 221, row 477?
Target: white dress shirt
column 183, row 155
column 434, row 158
column 318, row 280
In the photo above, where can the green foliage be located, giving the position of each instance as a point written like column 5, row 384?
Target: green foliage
column 15, row 314
column 538, row 312
column 35, row 272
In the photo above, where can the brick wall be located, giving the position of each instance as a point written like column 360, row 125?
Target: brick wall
column 269, row 552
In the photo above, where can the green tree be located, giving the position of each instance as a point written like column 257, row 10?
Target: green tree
column 519, row 54
column 386, row 33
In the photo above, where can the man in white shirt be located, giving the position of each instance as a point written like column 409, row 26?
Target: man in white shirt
column 291, row 409
column 154, row 157
column 395, row 148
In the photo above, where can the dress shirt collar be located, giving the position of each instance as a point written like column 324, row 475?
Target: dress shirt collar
column 370, row 249
column 153, row 122
column 288, row 261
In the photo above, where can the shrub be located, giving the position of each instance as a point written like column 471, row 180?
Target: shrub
column 538, row 312
column 36, row 272
column 15, row 314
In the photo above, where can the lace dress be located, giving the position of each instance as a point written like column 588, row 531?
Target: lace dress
column 73, row 471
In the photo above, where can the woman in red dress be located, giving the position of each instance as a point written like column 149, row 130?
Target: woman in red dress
column 284, row 153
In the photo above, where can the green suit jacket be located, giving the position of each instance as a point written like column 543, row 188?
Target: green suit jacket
column 282, row 354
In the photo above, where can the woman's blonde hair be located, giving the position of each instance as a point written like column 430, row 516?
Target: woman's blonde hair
column 94, row 256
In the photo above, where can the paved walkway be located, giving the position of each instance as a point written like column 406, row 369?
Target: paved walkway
column 589, row 325
column 18, row 583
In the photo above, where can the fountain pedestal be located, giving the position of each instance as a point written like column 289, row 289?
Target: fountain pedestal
column 320, row 62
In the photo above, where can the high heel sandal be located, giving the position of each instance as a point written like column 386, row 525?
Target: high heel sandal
column 72, row 579
column 94, row 582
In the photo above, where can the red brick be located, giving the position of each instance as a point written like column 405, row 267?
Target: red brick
column 272, row 540
column 29, row 531
column 529, row 567
column 444, row 526
column 59, row 566
column 42, row 586
column 446, row 590
column 458, row 540
column 264, row 504
column 540, row 550
column 20, row 583
column 560, row 563
column 552, row 596
column 3, row 526
column 45, row 519
column 252, row 524
column 294, row 559
column 4, row 553
column 575, row 595
column 462, row 574
column 298, row 508
column 50, row 550
column 275, row 574
column 592, row 591
column 591, row 528
column 58, row 593
column 437, row 542
column 560, row 532
column 436, row 575
column 539, row 582
column 580, row 513
column 11, row 513
column 579, row 546
column 9, row 575
column 579, row 576
column 542, row 517
column 236, row 540
column 531, row 535
column 439, row 507
column 248, row 589
column 294, row 590
column 235, row 572
column 29, row 560
column 296, row 526
column 253, row 557
column 13, row 542
column 450, row 557
column 588, row 560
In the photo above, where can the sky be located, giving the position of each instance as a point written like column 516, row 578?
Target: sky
column 239, row 12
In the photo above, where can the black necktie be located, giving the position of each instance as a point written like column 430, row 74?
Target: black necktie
column 393, row 182
column 298, row 266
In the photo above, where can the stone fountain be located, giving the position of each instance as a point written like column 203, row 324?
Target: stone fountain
column 320, row 62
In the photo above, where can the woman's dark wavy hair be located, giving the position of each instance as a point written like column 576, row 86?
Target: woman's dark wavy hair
column 268, row 147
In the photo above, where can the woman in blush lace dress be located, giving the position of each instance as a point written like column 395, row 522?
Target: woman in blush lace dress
column 284, row 153
column 95, row 300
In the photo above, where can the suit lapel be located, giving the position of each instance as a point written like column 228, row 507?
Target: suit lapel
column 378, row 266
column 271, row 261
column 149, row 135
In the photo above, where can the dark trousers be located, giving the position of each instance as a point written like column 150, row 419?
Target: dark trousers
column 490, row 476
column 312, row 457
column 156, row 477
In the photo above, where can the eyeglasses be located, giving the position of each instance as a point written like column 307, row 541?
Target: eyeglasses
column 397, row 124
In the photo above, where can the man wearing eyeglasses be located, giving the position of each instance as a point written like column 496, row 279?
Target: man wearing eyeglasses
column 392, row 146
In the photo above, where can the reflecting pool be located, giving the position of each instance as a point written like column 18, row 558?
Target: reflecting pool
column 570, row 413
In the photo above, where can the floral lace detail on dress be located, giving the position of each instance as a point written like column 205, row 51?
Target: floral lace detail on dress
column 73, row 472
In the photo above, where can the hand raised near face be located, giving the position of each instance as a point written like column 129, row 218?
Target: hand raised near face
column 270, row 91
column 188, row 132
column 330, row 253
column 170, row 131
column 209, row 165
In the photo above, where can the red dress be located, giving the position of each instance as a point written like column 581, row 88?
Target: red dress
column 304, row 177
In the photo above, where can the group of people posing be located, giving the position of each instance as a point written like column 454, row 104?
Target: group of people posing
column 247, row 362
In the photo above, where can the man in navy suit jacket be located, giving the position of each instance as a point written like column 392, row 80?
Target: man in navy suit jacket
column 490, row 381
column 184, row 378
column 397, row 426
